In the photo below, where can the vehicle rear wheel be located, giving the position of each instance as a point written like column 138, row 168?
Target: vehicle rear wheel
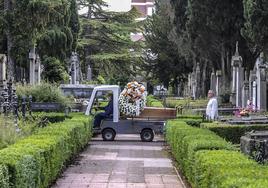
column 147, row 135
column 108, row 134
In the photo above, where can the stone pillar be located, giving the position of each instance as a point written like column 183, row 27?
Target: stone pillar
column 89, row 73
column 254, row 95
column 189, row 87
column 37, row 70
column 245, row 94
column 198, row 81
column 218, row 83
column 213, row 82
column 32, row 58
column 3, row 61
column 252, row 77
column 237, row 79
column 261, row 88
column 193, row 84
column 73, row 69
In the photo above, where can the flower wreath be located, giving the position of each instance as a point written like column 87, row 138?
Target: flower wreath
column 132, row 99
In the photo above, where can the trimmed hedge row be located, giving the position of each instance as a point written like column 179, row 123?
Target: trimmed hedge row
column 209, row 161
column 223, row 168
column 186, row 140
column 37, row 160
column 52, row 117
column 232, row 133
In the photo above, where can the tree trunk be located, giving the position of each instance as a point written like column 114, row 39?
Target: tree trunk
column 10, row 61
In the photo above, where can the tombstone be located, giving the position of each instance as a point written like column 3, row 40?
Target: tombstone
column 32, row 57
column 261, row 67
column 213, row 81
column 75, row 69
column 254, row 95
column 237, row 78
column 89, row 73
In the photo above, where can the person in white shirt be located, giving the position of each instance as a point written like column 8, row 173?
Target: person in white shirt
column 212, row 106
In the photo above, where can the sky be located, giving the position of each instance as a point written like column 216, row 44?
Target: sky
column 114, row 5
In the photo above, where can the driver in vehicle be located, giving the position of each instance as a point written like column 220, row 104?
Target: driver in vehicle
column 108, row 110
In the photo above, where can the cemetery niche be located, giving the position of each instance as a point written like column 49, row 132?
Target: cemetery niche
column 255, row 144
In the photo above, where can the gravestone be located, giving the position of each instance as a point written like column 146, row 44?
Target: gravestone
column 261, row 68
column 75, row 71
column 237, row 78
column 255, row 145
column 35, row 67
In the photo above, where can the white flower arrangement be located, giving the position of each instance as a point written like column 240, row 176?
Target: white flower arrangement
column 132, row 99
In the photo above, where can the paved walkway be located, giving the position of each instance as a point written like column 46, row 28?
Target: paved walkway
column 124, row 163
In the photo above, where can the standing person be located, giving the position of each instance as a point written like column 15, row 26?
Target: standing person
column 108, row 110
column 212, row 106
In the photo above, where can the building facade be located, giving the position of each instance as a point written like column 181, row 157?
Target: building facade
column 145, row 7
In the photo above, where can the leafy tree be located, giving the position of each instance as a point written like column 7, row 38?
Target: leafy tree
column 54, row 71
column 163, row 62
column 256, row 25
column 48, row 25
column 105, row 42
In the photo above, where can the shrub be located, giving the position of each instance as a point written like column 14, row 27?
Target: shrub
column 232, row 133
column 153, row 102
column 209, row 161
column 186, row 140
column 8, row 133
column 227, row 169
column 54, row 70
column 44, row 92
column 4, row 178
column 37, row 160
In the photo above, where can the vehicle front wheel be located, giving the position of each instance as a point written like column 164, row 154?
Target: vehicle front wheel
column 147, row 135
column 108, row 134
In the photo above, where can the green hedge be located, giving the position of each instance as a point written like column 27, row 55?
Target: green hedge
column 4, row 178
column 37, row 160
column 186, row 140
column 153, row 102
column 209, row 161
column 232, row 133
column 52, row 117
column 223, row 168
